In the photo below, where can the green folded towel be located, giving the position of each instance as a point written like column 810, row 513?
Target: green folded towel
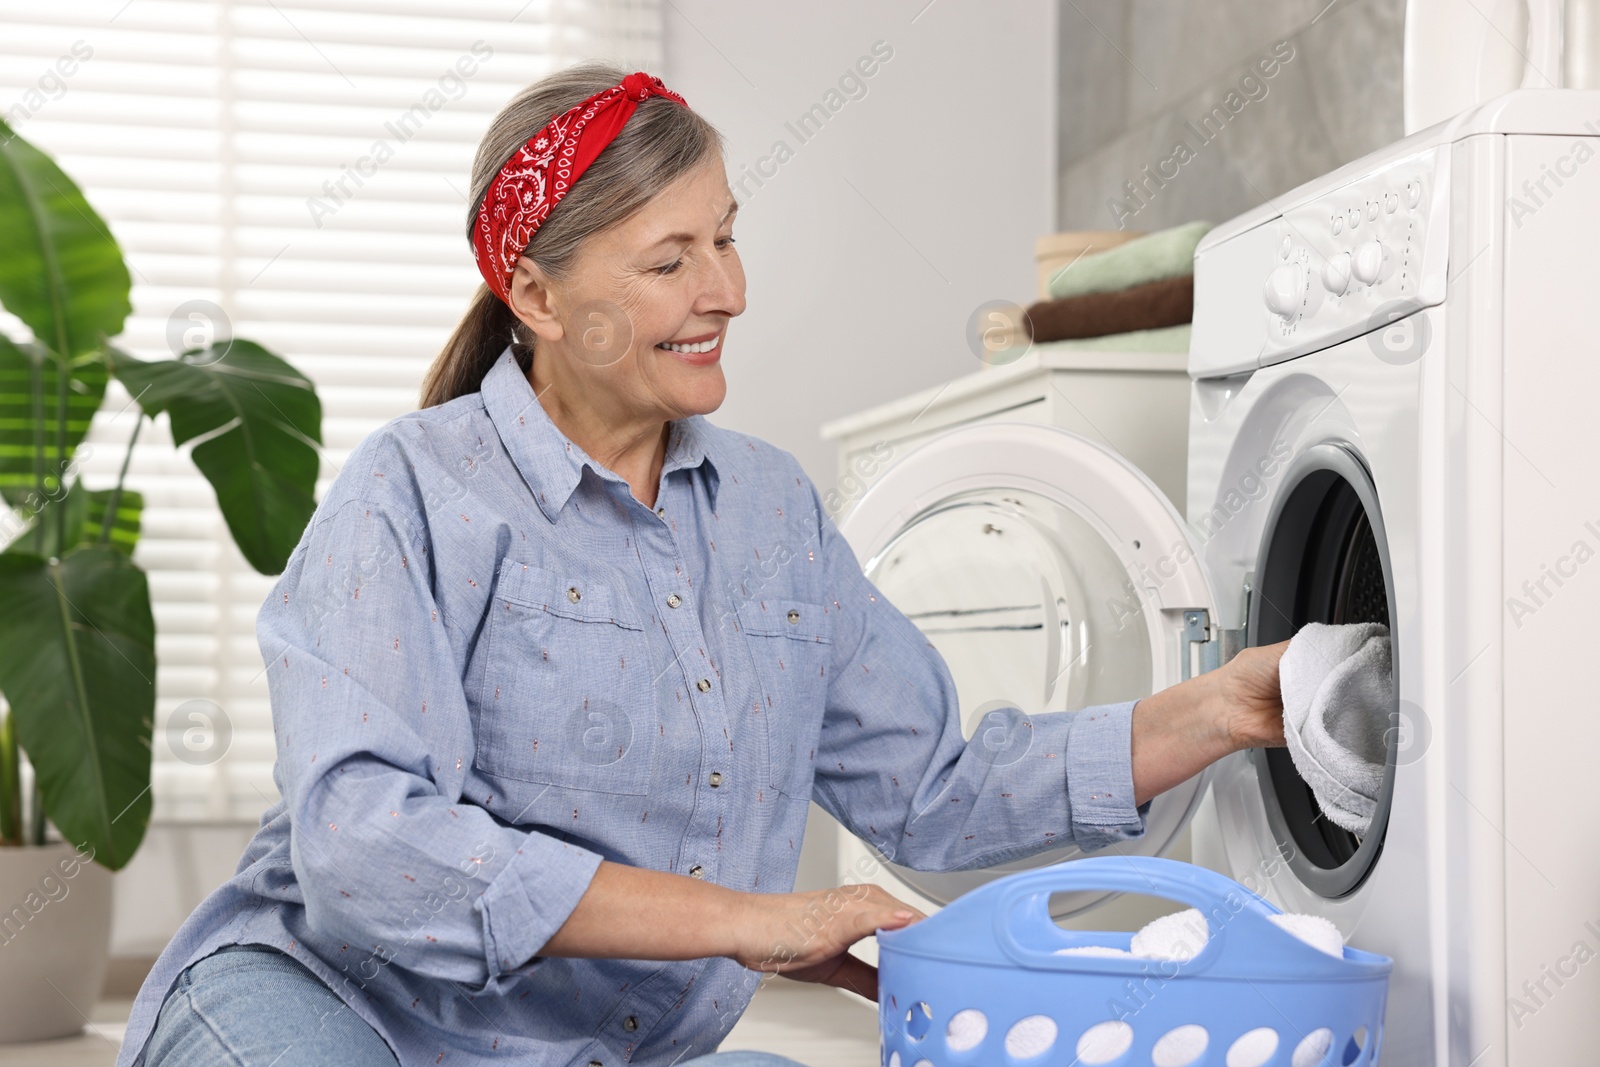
column 1165, row 339
column 1154, row 256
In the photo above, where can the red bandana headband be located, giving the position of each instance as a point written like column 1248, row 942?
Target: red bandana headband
column 538, row 174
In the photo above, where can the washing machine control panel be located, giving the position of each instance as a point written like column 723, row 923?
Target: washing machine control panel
column 1353, row 260
column 1338, row 260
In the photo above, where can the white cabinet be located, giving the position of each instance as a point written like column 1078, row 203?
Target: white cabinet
column 1136, row 403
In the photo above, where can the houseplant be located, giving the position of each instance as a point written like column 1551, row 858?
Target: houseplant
column 77, row 637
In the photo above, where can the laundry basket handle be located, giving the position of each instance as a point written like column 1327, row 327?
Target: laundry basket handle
column 1024, row 928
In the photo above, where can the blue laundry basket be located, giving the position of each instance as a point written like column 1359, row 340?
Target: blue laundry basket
column 979, row 981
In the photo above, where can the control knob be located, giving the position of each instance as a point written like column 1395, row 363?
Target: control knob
column 1368, row 263
column 1336, row 274
column 1284, row 288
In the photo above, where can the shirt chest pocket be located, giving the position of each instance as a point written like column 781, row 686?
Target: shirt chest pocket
column 791, row 642
column 566, row 698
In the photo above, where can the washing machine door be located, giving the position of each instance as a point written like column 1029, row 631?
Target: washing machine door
column 1051, row 575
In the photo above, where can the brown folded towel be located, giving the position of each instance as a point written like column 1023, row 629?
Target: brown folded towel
column 1168, row 302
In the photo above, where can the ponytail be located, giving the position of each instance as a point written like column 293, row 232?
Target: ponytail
column 483, row 333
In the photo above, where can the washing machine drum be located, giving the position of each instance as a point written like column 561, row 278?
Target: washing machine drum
column 1013, row 547
column 1323, row 558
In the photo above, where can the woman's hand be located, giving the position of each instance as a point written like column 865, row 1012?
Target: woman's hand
column 806, row 936
column 1252, row 702
column 1181, row 730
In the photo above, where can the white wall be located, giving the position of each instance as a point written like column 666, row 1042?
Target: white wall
column 869, row 248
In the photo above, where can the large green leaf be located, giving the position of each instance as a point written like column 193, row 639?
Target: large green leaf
column 85, row 523
column 29, row 438
column 259, row 423
column 78, row 666
column 61, row 271
column 125, row 525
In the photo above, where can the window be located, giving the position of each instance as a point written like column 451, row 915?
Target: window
column 301, row 167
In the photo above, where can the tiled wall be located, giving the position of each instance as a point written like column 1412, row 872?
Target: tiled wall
column 1261, row 95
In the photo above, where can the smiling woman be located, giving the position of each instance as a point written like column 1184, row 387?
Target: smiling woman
column 546, row 750
column 630, row 306
column 671, row 281
column 662, row 143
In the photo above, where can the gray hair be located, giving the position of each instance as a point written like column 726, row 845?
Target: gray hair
column 661, row 143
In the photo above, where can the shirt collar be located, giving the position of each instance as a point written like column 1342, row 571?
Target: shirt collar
column 550, row 462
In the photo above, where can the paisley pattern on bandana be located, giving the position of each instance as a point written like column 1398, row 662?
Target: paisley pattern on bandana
column 533, row 181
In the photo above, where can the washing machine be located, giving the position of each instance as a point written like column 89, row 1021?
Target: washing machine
column 1394, row 378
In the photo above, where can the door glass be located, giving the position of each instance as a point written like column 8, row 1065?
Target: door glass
column 1030, row 608
column 1324, row 559
column 1025, row 600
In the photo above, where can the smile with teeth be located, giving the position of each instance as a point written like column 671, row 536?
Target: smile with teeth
column 703, row 346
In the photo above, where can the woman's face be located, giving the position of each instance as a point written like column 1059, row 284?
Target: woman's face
column 667, row 276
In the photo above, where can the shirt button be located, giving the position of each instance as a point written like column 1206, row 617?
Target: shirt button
column 662, row 512
column 596, row 1063
column 573, row 594
column 715, row 778
column 630, row 1023
column 697, row 871
column 673, row 600
column 704, row 685
column 794, row 617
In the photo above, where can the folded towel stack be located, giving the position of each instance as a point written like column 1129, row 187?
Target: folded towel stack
column 1146, row 284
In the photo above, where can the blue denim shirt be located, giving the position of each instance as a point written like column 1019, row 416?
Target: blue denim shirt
column 492, row 667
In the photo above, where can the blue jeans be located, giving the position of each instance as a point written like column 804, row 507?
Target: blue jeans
column 253, row 1006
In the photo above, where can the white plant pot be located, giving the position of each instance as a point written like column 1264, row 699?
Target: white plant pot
column 55, row 940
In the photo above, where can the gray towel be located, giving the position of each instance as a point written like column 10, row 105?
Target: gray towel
column 1338, row 692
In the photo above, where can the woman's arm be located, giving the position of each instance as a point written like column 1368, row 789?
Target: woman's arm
column 1183, row 729
column 893, row 766
column 630, row 913
column 374, row 737
column 650, row 915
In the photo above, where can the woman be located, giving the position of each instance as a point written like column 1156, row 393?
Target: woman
column 549, row 718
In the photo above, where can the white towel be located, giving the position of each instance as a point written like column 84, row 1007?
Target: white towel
column 1314, row 930
column 1180, row 936
column 1338, row 693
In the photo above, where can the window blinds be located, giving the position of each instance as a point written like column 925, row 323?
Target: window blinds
column 294, row 172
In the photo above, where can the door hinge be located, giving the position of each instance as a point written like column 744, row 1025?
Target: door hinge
column 1212, row 647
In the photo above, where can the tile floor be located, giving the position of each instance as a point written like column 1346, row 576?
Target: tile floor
column 819, row 1027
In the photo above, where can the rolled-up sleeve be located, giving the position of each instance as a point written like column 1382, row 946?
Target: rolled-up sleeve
column 373, row 734
column 893, row 767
